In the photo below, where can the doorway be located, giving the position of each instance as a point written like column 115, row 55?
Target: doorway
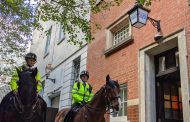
column 168, row 87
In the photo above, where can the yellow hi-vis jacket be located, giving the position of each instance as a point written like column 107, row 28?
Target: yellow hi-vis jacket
column 81, row 92
column 15, row 78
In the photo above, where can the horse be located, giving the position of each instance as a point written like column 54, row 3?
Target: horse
column 104, row 100
column 26, row 105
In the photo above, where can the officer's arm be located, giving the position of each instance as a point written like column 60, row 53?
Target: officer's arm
column 90, row 96
column 14, row 80
column 38, row 79
column 75, row 95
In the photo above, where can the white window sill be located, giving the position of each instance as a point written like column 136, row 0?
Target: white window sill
column 119, row 119
column 118, row 46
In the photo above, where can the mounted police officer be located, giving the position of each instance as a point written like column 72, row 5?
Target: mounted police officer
column 81, row 94
column 30, row 59
column 82, row 90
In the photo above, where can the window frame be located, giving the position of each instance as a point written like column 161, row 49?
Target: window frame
column 112, row 29
column 48, row 41
column 122, row 117
column 60, row 37
column 55, row 99
column 76, row 76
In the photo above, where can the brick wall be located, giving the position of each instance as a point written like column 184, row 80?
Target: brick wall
column 133, row 115
column 123, row 64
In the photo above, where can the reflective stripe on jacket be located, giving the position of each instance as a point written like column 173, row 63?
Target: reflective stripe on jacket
column 15, row 78
column 81, row 92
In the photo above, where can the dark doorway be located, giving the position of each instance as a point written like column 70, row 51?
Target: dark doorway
column 168, row 87
column 50, row 114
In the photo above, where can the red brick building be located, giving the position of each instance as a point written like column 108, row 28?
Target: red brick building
column 154, row 77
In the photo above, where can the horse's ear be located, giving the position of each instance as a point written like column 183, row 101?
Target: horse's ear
column 34, row 72
column 107, row 78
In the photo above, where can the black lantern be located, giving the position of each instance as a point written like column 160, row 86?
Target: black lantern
column 138, row 16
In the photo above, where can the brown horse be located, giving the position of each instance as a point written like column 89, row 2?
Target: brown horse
column 105, row 99
column 26, row 106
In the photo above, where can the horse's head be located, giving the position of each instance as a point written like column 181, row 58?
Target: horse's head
column 112, row 93
column 27, row 84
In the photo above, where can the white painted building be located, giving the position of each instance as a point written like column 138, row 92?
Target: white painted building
column 66, row 60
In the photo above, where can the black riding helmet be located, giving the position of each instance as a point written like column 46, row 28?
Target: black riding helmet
column 30, row 56
column 84, row 72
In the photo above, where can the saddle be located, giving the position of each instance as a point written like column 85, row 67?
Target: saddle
column 72, row 112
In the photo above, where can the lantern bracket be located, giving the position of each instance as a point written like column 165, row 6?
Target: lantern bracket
column 155, row 23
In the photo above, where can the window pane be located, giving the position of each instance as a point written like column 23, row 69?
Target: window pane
column 121, row 95
column 120, row 113
column 166, row 92
column 125, row 109
column 167, row 97
column 177, row 58
column 76, row 68
column 175, row 106
column 121, row 35
column 168, row 113
column 125, row 94
column 161, row 63
column 61, row 33
column 174, row 93
column 174, row 98
column 176, row 115
column 167, row 104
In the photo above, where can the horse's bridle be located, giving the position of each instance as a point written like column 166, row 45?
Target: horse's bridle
column 108, row 102
column 20, row 109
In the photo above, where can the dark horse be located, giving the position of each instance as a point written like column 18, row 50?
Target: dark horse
column 105, row 99
column 26, row 106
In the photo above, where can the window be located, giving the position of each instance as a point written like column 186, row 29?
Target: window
column 173, row 102
column 121, row 34
column 167, row 61
column 118, row 34
column 61, row 35
column 76, row 68
column 121, row 116
column 48, row 39
column 55, row 102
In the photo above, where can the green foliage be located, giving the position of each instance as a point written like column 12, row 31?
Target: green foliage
column 19, row 17
column 16, row 24
column 73, row 16
column 144, row 2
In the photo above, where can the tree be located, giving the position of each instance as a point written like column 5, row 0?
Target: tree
column 16, row 24
column 19, row 17
column 73, row 15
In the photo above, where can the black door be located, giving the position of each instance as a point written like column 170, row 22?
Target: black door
column 168, row 87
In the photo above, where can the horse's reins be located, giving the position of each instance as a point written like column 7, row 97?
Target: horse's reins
column 108, row 102
column 21, row 106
